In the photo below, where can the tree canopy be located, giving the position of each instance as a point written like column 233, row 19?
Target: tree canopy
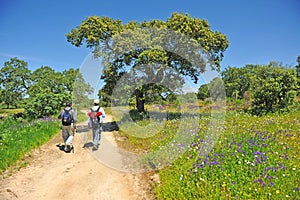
column 271, row 87
column 179, row 43
column 14, row 81
column 42, row 92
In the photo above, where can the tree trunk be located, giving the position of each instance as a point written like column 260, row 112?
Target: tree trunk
column 140, row 102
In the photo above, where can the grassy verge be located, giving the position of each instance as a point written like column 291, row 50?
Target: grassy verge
column 18, row 138
column 253, row 158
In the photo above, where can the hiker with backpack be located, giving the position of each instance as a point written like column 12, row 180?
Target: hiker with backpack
column 68, row 119
column 95, row 121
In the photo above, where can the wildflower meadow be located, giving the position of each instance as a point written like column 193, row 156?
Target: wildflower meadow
column 254, row 158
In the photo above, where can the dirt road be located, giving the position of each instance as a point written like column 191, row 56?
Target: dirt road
column 54, row 174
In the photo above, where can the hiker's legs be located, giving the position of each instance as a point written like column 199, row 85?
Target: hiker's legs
column 100, row 131
column 65, row 133
column 96, row 136
column 68, row 135
column 70, row 138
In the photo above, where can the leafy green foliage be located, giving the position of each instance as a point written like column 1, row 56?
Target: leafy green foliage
column 298, row 75
column 14, row 80
column 135, row 44
column 272, row 87
column 189, row 97
column 238, row 80
column 214, row 89
column 43, row 91
column 298, row 67
column 80, row 91
column 50, row 90
column 44, row 104
column 203, row 92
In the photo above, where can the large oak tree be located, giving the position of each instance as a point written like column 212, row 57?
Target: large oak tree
column 135, row 44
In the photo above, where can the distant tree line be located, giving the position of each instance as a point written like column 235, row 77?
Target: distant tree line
column 41, row 92
column 264, row 88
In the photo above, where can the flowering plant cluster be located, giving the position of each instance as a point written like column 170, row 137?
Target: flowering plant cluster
column 254, row 158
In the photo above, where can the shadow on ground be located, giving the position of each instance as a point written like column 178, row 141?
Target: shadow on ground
column 88, row 144
column 61, row 147
column 110, row 126
column 106, row 127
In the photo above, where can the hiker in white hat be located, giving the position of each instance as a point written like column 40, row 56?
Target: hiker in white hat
column 96, row 119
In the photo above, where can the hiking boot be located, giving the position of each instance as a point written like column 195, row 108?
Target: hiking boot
column 67, row 148
column 95, row 147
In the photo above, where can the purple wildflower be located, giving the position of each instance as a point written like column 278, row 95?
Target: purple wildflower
column 286, row 156
column 266, row 169
column 296, row 189
column 213, row 163
column 261, row 182
column 257, row 160
column 258, row 153
column 271, row 183
column 274, row 169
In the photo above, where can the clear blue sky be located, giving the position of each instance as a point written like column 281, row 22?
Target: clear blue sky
column 259, row 31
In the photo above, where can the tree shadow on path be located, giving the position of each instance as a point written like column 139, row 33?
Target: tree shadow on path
column 106, row 127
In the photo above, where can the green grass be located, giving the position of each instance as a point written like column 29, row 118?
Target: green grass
column 255, row 158
column 19, row 138
column 6, row 112
column 252, row 157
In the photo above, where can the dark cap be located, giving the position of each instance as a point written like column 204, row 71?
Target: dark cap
column 69, row 103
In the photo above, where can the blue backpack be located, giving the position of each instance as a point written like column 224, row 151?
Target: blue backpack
column 66, row 118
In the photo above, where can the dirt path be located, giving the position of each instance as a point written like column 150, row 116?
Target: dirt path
column 54, row 174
